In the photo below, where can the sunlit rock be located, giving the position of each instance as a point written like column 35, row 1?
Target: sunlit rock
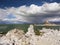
column 15, row 33
column 18, row 37
column 12, row 37
column 30, row 31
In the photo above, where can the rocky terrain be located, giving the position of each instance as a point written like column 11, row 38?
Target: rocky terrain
column 18, row 37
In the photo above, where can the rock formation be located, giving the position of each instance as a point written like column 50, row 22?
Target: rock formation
column 18, row 37
column 47, row 23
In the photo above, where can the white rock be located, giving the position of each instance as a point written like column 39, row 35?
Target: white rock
column 17, row 37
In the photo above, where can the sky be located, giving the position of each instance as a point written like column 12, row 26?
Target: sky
column 17, row 3
column 29, row 11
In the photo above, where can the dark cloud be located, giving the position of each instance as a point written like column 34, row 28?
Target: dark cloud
column 35, row 13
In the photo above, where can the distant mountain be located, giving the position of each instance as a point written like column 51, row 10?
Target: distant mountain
column 52, row 22
column 22, row 22
column 16, row 22
column 56, row 22
column 12, row 22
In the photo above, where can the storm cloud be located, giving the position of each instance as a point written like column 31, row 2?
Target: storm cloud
column 33, row 13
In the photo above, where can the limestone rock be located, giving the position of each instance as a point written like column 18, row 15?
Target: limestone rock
column 18, row 37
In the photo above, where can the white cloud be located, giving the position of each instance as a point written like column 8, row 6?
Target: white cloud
column 46, row 8
column 57, row 19
column 3, row 13
column 33, row 13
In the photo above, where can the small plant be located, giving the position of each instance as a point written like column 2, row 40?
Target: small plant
column 37, row 32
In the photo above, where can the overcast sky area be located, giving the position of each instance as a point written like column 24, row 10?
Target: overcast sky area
column 29, row 11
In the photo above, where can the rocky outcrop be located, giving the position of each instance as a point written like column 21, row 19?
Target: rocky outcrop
column 12, row 37
column 18, row 37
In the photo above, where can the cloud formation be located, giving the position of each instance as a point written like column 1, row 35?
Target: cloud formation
column 33, row 13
